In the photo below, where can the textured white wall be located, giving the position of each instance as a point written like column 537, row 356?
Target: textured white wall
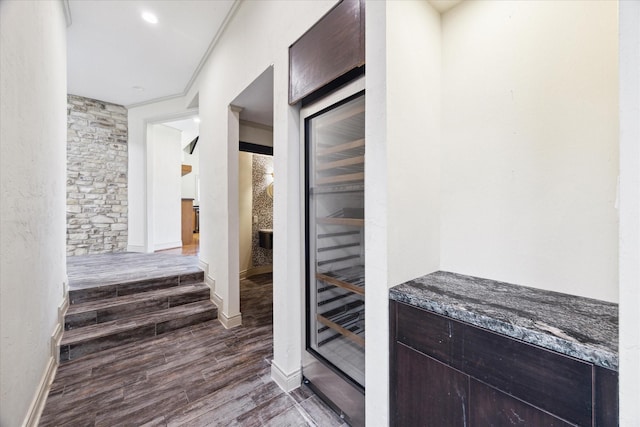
column 629, row 14
column 188, row 181
column 256, row 134
column 165, row 146
column 239, row 57
column 413, row 138
column 530, row 144
column 33, row 121
column 403, row 171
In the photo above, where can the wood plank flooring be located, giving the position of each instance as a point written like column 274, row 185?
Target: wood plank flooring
column 203, row 375
column 87, row 271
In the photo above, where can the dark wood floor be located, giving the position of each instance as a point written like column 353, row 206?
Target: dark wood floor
column 88, row 271
column 203, row 375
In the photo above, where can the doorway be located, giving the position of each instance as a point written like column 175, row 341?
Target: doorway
column 188, row 129
column 254, row 107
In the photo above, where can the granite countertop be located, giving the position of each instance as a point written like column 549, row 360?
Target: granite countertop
column 583, row 328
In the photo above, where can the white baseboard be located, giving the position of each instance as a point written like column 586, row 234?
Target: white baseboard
column 136, row 248
column 57, row 333
column 253, row 271
column 217, row 300
column 167, row 245
column 229, row 322
column 285, row 382
column 207, row 278
column 42, row 392
column 39, row 400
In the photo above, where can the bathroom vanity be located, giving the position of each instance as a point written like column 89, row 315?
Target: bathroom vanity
column 466, row 351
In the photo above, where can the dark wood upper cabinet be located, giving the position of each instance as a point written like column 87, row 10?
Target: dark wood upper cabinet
column 330, row 53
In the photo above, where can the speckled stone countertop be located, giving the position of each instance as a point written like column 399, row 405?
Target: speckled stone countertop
column 583, row 328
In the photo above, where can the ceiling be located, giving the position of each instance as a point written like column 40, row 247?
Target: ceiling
column 114, row 55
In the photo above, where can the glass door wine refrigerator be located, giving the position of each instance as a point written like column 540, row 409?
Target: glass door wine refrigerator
column 334, row 360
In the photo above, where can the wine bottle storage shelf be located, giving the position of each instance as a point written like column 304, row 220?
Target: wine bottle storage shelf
column 351, row 279
column 336, row 247
column 338, row 234
column 351, row 114
column 342, row 163
column 335, row 253
column 339, row 259
column 336, row 179
column 349, row 325
column 356, row 187
column 357, row 222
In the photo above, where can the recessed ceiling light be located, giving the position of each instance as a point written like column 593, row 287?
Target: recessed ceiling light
column 138, row 88
column 196, row 119
column 150, row 17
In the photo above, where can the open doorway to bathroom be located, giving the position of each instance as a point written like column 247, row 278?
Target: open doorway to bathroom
column 255, row 186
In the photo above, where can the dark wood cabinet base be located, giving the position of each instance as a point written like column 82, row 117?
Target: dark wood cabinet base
column 447, row 373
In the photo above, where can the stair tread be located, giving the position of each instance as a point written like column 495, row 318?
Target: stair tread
column 115, row 288
column 102, row 304
column 99, row 330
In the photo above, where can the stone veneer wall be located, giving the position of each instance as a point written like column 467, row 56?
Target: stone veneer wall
column 262, row 208
column 96, row 176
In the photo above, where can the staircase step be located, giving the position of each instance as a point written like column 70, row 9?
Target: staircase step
column 95, row 293
column 90, row 339
column 100, row 311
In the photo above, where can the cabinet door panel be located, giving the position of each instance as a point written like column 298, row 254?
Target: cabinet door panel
column 548, row 380
column 606, row 410
column 491, row 407
column 330, row 49
column 427, row 392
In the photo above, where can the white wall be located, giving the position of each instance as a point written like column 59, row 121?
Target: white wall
column 403, row 170
column 245, row 200
column 256, row 133
column 164, row 144
column 413, row 138
column 33, row 99
column 530, row 144
column 629, row 14
column 189, row 181
column 238, row 58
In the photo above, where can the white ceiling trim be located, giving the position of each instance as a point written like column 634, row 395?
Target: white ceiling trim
column 201, row 64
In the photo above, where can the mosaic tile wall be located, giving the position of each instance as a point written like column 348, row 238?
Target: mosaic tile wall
column 262, row 169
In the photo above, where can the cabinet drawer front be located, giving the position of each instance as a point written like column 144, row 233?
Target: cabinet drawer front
column 428, row 333
column 548, row 380
column 492, row 407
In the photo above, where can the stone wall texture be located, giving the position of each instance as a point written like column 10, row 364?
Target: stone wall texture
column 96, row 176
column 262, row 207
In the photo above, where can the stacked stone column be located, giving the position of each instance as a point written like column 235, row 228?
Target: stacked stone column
column 97, row 163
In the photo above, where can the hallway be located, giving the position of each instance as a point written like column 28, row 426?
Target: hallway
column 200, row 375
column 191, row 249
